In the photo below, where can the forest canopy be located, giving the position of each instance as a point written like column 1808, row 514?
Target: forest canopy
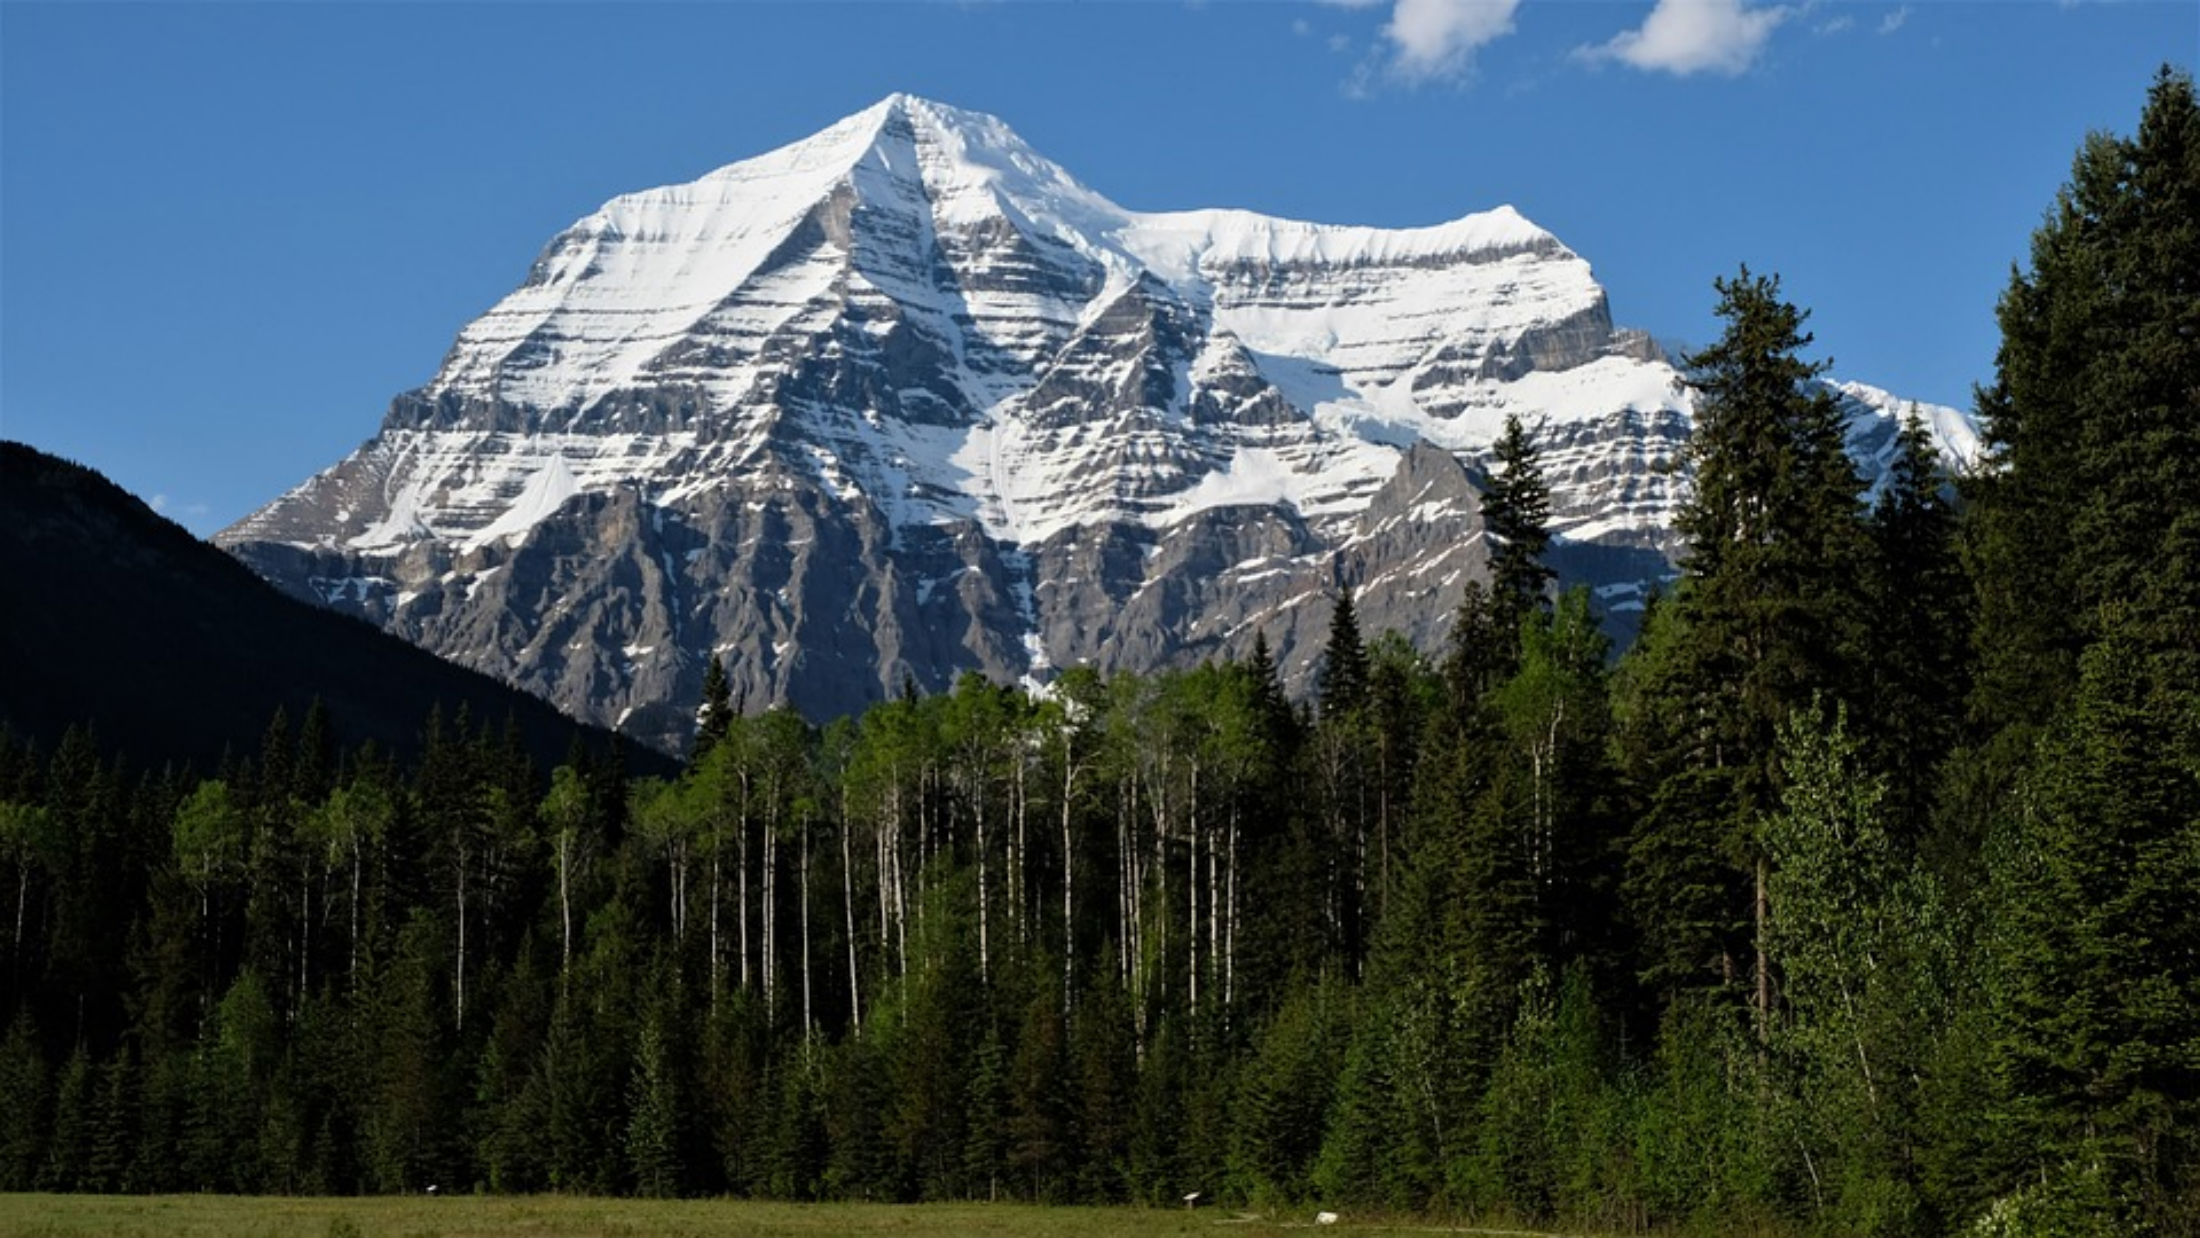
column 1855, row 897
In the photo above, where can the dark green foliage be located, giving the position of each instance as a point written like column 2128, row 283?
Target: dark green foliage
column 1750, row 932
column 1517, row 511
column 2094, row 420
column 714, row 718
column 1919, row 624
column 1344, row 661
column 2095, row 999
column 230, row 649
column 1768, row 615
column 653, row 1132
column 1284, row 1094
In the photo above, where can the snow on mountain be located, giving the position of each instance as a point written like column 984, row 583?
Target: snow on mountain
column 1017, row 413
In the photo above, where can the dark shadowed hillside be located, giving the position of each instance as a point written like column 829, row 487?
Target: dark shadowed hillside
column 171, row 649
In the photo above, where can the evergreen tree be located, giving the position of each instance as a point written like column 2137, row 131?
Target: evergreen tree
column 1041, row 1104
column 1343, row 684
column 2094, row 496
column 653, row 1114
column 1919, row 624
column 69, row 1143
column 1475, row 656
column 2094, row 992
column 23, row 1106
column 1768, row 615
column 1517, row 512
column 715, row 716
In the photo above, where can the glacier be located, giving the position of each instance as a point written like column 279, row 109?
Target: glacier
column 906, row 399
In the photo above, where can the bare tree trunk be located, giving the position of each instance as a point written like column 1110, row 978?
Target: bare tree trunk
column 1019, row 884
column 1214, row 918
column 565, row 899
column 848, row 905
column 1069, row 879
column 809, row 1026
column 460, row 1013
column 771, row 910
column 356, row 867
column 1230, row 930
column 742, row 858
column 305, row 931
column 888, row 833
column 1126, row 811
column 985, row 915
column 1191, row 895
column 901, row 889
column 924, row 842
column 1160, row 918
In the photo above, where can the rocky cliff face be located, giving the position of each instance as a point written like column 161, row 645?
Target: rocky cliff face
column 905, row 399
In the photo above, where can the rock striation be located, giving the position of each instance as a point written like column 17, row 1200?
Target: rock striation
column 905, row 399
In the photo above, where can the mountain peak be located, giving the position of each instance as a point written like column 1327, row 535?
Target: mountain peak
column 906, row 397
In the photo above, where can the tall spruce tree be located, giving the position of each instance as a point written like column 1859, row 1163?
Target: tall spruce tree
column 1920, row 626
column 2094, row 991
column 2094, row 419
column 715, row 716
column 2083, row 536
column 1344, row 661
column 1767, row 615
column 1517, row 511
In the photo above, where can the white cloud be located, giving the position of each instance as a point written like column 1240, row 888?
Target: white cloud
column 1838, row 25
column 1437, row 38
column 1301, row 27
column 165, row 506
column 1893, row 21
column 1683, row 37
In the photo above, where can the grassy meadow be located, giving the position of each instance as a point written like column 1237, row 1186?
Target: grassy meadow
column 413, row 1216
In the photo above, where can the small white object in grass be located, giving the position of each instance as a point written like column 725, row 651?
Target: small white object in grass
column 1192, row 1200
column 1325, row 1218
column 431, row 1188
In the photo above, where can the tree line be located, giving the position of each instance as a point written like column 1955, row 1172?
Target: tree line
column 1855, row 897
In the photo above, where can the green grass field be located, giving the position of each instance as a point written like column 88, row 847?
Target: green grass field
column 220, row 1216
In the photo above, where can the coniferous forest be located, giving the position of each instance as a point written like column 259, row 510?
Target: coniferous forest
column 1858, row 896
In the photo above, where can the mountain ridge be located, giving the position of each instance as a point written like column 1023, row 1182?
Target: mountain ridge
column 913, row 352
column 171, row 650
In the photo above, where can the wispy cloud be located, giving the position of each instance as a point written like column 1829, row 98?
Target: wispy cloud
column 1838, row 25
column 1685, row 37
column 165, row 506
column 1893, row 21
column 1437, row 38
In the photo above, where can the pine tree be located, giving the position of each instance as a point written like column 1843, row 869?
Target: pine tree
column 2094, row 994
column 1919, row 625
column 1476, row 652
column 715, row 716
column 653, row 1121
column 1768, row 614
column 24, row 1106
column 2083, row 538
column 1517, row 512
column 2094, row 496
column 1343, row 684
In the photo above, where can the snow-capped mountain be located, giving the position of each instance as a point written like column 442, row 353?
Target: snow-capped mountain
column 906, row 399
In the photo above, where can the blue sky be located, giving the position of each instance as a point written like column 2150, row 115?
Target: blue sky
column 230, row 233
